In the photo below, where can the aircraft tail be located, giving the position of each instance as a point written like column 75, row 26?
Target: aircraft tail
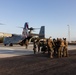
column 42, row 32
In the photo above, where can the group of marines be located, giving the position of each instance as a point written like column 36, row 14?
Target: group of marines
column 54, row 47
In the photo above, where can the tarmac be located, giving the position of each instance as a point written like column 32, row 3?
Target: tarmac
column 17, row 50
column 36, row 64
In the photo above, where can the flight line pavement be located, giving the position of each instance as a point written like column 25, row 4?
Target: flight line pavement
column 38, row 64
column 19, row 63
column 17, row 50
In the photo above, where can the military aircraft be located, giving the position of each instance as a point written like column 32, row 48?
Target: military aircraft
column 26, row 35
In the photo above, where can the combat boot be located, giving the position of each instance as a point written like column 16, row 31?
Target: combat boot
column 51, row 55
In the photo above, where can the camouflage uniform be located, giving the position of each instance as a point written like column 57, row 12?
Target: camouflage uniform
column 34, row 47
column 65, row 50
column 26, row 43
column 58, row 46
column 60, row 49
column 43, row 49
column 55, row 47
column 38, row 45
column 50, row 47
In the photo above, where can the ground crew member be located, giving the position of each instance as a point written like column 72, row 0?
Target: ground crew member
column 65, row 49
column 50, row 47
column 26, row 43
column 34, row 46
column 60, row 50
column 38, row 45
column 44, row 47
column 58, row 46
column 55, row 47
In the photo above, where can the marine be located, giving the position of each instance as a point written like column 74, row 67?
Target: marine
column 34, row 46
column 26, row 43
column 65, row 49
column 55, row 47
column 60, row 47
column 50, row 47
column 38, row 44
column 44, row 46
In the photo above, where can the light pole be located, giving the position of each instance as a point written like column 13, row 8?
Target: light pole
column 68, row 33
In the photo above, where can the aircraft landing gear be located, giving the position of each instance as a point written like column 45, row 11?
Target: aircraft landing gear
column 4, row 44
column 10, row 44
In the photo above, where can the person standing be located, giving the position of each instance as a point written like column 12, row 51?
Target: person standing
column 59, row 47
column 26, row 43
column 65, row 49
column 50, row 47
column 34, row 46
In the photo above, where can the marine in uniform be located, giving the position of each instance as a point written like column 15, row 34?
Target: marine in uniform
column 34, row 46
column 26, row 43
column 61, row 46
column 38, row 45
column 44, row 46
column 65, row 49
column 50, row 47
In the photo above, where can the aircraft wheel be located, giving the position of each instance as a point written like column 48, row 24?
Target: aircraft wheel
column 4, row 44
column 21, row 44
column 11, row 44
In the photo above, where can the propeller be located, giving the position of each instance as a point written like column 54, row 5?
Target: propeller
column 31, row 28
